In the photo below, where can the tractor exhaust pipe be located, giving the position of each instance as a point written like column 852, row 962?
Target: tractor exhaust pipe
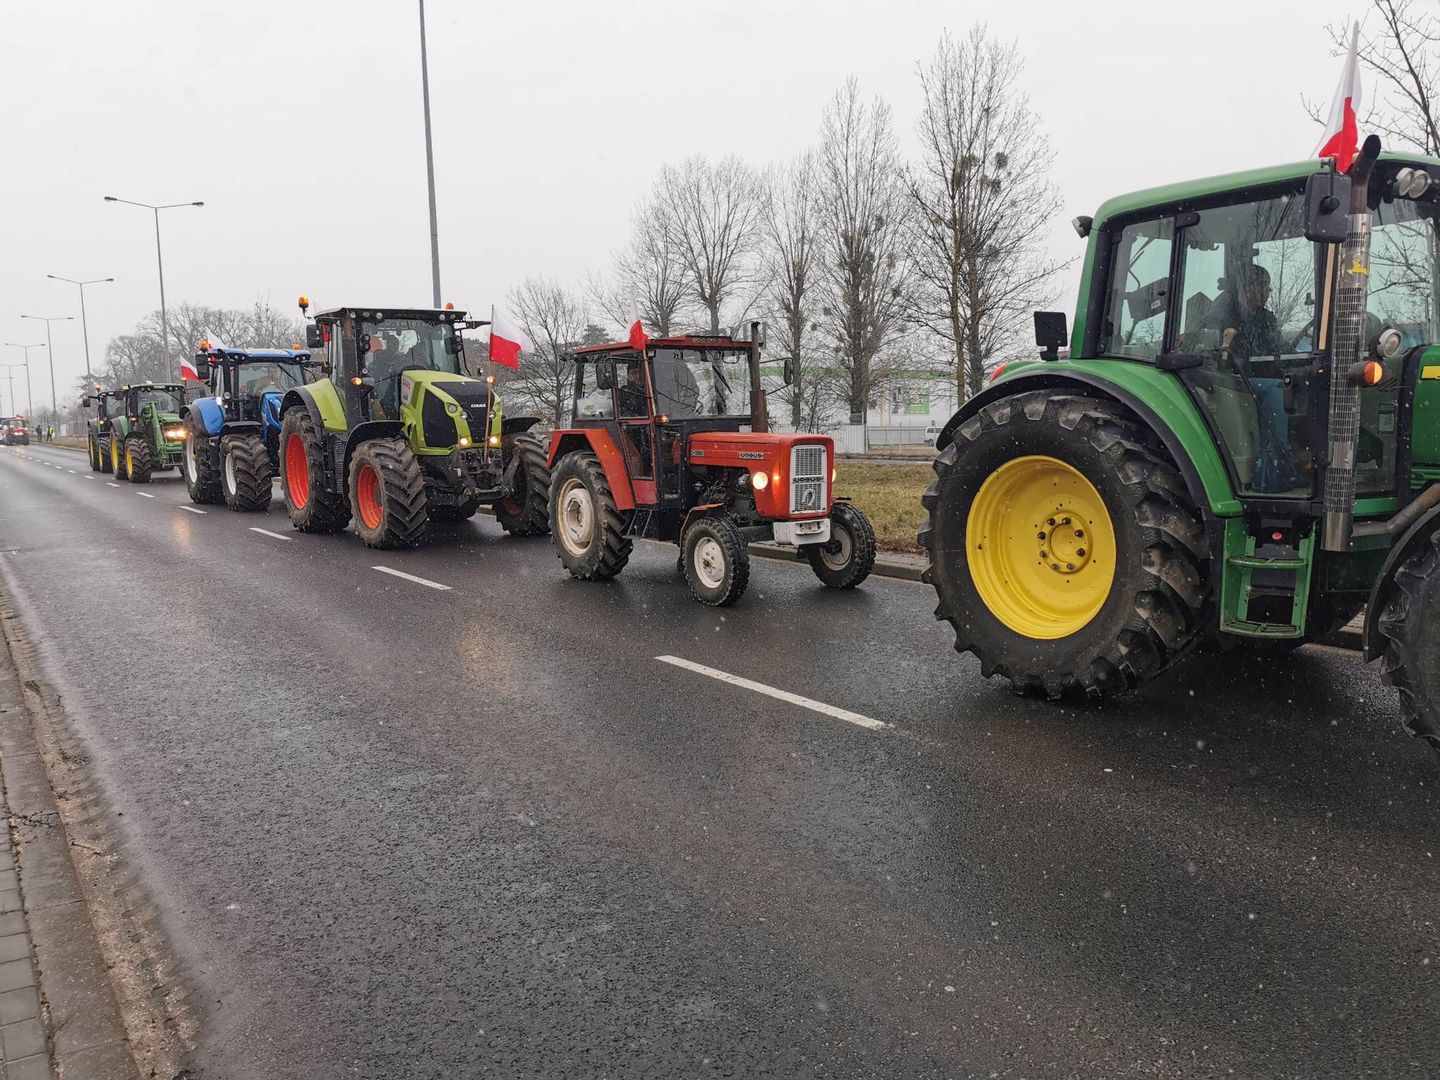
column 1348, row 343
column 759, row 407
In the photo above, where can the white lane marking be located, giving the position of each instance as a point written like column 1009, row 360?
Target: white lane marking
column 88, row 478
column 193, row 509
column 782, row 695
column 144, row 494
column 70, row 471
column 109, row 484
column 267, row 532
column 411, row 577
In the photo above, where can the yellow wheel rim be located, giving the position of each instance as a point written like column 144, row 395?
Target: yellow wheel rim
column 1041, row 547
column 129, row 460
column 114, row 454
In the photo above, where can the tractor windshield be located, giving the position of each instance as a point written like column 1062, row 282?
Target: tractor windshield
column 163, row 399
column 256, row 379
column 692, row 383
column 395, row 345
column 1404, row 270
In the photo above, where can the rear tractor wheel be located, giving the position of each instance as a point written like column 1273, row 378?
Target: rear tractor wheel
column 313, row 507
column 526, row 510
column 587, row 527
column 245, row 472
column 716, row 561
column 387, row 491
column 1064, row 549
column 1410, row 625
column 117, row 455
column 848, row 557
column 92, row 446
column 137, row 460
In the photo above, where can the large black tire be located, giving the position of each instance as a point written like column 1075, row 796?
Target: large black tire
column 200, row 464
column 137, row 460
column 245, row 473
column 587, row 527
column 117, row 455
column 313, row 507
column 92, row 447
column 526, row 510
column 387, row 494
column 849, row 557
column 1410, row 625
column 716, row 561
column 1156, row 604
column 102, row 451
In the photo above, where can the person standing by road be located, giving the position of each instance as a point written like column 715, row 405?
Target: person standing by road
column 50, row 433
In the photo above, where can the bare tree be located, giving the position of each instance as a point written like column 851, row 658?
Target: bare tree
column 791, row 260
column 649, row 281
column 981, row 204
column 555, row 320
column 861, row 209
column 709, row 216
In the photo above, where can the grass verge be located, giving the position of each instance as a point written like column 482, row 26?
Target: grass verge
column 890, row 497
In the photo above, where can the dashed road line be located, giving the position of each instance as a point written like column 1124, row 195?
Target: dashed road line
column 411, row 577
column 88, row 478
column 781, row 695
column 70, row 471
column 109, row 484
column 272, row 535
column 144, row 494
column 192, row 509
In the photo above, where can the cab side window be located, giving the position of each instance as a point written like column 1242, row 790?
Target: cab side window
column 592, row 403
column 1138, row 295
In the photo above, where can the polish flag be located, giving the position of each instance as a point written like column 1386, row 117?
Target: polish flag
column 638, row 338
column 188, row 370
column 507, row 341
column 1342, row 136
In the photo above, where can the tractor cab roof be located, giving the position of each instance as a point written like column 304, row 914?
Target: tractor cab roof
column 149, row 386
column 437, row 315
column 241, row 356
column 683, row 341
column 1191, row 191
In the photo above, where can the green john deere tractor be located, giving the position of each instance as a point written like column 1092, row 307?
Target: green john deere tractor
column 144, row 428
column 1242, row 446
column 399, row 434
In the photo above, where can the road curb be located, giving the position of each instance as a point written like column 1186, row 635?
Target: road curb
column 115, row 1006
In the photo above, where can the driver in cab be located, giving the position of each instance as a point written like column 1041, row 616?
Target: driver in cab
column 383, row 364
column 1243, row 319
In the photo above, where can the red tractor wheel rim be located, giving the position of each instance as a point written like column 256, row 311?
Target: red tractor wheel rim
column 367, row 496
column 297, row 472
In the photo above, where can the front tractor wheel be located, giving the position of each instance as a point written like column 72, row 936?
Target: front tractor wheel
column 716, row 561
column 245, row 473
column 587, row 527
column 137, row 460
column 1410, row 625
column 117, row 456
column 526, row 510
column 1064, row 549
column 848, row 557
column 387, row 492
column 92, row 446
column 199, row 466
column 312, row 506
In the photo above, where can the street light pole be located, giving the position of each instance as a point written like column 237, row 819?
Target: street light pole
column 29, row 400
column 49, row 351
column 84, row 323
column 429, row 161
column 160, row 264
column 10, row 382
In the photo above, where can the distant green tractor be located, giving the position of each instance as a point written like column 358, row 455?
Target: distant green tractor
column 106, row 403
column 145, row 430
column 1243, row 445
column 401, row 434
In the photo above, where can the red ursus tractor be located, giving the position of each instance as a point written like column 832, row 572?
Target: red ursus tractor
column 670, row 440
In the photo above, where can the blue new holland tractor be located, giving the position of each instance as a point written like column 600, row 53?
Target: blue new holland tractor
column 232, row 436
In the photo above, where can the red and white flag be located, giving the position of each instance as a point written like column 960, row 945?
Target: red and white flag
column 1341, row 140
column 507, row 341
column 638, row 338
column 188, row 370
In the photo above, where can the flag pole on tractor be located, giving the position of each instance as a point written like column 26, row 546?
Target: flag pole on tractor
column 1341, row 140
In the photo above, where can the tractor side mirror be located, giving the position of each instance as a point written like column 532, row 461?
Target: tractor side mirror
column 314, row 336
column 1327, row 207
column 1051, row 333
column 789, row 370
column 87, row 401
column 605, row 375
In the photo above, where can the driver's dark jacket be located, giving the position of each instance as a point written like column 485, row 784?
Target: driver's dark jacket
column 1256, row 332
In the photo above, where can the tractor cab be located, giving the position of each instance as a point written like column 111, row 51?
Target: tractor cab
column 245, row 377
column 670, row 440
column 98, row 428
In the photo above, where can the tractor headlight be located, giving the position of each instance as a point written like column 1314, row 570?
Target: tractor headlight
column 494, row 440
column 452, row 408
column 173, row 433
column 464, row 441
column 761, row 481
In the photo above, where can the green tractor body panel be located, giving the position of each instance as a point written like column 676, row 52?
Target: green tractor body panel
column 443, row 396
column 325, row 404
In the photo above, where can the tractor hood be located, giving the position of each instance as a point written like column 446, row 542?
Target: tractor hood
column 798, row 468
column 447, row 407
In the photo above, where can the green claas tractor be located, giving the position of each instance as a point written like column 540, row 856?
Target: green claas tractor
column 400, row 434
column 144, row 428
column 1242, row 446
column 98, row 430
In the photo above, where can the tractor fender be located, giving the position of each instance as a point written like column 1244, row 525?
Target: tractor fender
column 371, row 429
column 703, row 511
column 602, row 444
column 211, row 415
column 1414, row 539
column 1089, row 385
column 514, row 425
column 240, row 427
column 299, row 399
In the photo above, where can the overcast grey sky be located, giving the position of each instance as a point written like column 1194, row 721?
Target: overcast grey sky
column 299, row 125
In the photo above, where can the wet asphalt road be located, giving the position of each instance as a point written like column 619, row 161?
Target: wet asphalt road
column 401, row 832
